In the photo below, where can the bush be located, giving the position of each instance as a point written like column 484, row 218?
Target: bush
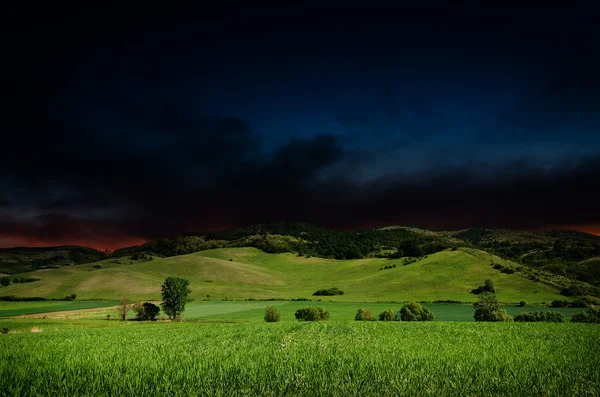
column 4, row 331
column 522, row 304
column 578, row 303
column 501, row 315
column 415, row 312
column 507, row 270
column 388, row 315
column 149, row 311
column 591, row 316
column 535, row 317
column 488, row 309
column 488, row 286
column 5, row 281
column 559, row 303
column 328, row 292
column 312, row 313
column 363, row 315
column 272, row 314
column 97, row 266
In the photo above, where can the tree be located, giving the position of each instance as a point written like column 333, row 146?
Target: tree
column 312, row 313
column 5, row 281
column 487, row 308
column 488, row 286
column 124, row 308
column 271, row 314
column 175, row 295
column 413, row 311
column 363, row 315
column 387, row 315
column 150, row 311
column 591, row 316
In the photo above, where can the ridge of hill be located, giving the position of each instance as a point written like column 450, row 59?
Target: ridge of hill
column 554, row 254
column 26, row 259
column 249, row 273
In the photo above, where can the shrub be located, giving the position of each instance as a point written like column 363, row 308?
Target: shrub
column 5, row 281
column 591, row 316
column 488, row 309
column 488, row 286
column 97, row 266
column 415, row 312
column 578, row 303
column 522, row 304
column 387, row 315
column 533, row 317
column 272, row 314
column 146, row 311
column 328, row 292
column 559, row 303
column 500, row 315
column 507, row 270
column 4, row 331
column 312, row 313
column 363, row 315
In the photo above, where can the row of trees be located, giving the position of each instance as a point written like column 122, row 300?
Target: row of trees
column 175, row 295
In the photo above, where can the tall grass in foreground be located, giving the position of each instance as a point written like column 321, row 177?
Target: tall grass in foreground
column 341, row 358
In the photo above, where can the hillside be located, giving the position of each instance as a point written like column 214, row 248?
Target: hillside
column 559, row 252
column 249, row 273
column 23, row 259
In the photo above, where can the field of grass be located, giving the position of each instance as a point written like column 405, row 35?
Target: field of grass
column 290, row 358
column 241, row 273
column 234, row 311
column 20, row 308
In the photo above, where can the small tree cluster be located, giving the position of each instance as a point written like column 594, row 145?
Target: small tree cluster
column 488, row 286
column 146, row 311
column 487, row 308
column 312, row 313
column 388, row 315
column 575, row 303
column 328, row 292
column 413, row 311
column 591, row 316
column 363, row 315
column 70, row 297
column 271, row 314
column 534, row 317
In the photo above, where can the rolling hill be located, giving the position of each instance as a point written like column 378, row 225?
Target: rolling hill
column 25, row 259
column 249, row 273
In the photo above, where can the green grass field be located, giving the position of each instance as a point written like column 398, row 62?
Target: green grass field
column 252, row 273
column 342, row 358
column 20, row 308
column 235, row 311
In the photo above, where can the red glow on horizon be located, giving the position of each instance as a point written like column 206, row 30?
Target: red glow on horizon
column 100, row 244
column 590, row 229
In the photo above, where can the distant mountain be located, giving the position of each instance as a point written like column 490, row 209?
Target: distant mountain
column 24, row 259
column 562, row 252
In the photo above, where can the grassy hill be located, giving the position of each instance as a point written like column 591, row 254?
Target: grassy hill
column 24, row 259
column 245, row 273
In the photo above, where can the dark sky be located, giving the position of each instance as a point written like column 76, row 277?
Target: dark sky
column 122, row 125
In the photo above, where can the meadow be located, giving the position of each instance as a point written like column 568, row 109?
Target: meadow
column 248, row 273
column 253, row 311
column 104, row 358
column 23, row 308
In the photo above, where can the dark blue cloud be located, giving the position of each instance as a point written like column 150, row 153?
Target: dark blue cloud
column 184, row 121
